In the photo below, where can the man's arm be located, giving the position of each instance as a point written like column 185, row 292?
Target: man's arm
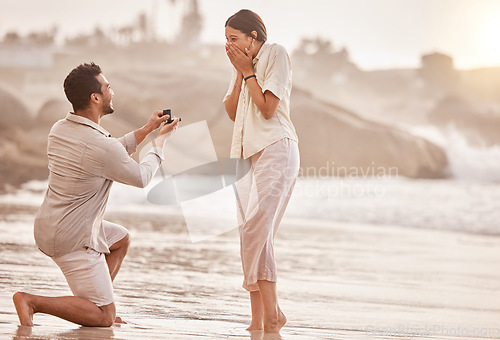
column 143, row 132
column 120, row 167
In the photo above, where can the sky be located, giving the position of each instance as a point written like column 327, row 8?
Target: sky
column 377, row 33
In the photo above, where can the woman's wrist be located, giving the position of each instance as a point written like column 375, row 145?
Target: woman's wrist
column 239, row 79
column 247, row 72
column 249, row 77
column 238, row 82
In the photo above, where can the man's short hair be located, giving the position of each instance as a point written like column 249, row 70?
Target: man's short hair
column 80, row 83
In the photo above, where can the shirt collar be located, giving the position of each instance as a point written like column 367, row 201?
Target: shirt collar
column 85, row 121
column 264, row 47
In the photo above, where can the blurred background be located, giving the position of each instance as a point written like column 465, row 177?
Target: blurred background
column 413, row 85
column 409, row 85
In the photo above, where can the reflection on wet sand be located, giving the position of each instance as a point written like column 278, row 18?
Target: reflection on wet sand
column 80, row 333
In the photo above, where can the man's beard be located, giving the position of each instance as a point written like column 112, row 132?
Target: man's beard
column 107, row 109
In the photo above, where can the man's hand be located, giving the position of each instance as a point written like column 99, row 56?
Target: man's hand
column 166, row 131
column 154, row 123
column 156, row 119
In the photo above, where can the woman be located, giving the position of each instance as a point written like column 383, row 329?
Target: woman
column 258, row 101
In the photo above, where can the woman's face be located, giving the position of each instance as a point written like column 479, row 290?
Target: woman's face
column 238, row 38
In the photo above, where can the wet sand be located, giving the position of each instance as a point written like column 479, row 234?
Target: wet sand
column 336, row 281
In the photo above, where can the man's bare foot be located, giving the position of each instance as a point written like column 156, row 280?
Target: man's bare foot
column 24, row 310
column 23, row 332
column 119, row 320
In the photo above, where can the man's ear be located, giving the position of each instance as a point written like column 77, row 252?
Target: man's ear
column 94, row 97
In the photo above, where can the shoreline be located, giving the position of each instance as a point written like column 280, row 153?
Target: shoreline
column 174, row 212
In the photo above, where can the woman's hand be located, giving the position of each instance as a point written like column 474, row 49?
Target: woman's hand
column 242, row 61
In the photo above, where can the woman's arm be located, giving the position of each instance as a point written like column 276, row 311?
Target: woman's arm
column 231, row 103
column 266, row 102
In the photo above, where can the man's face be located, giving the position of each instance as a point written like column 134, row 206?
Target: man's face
column 107, row 95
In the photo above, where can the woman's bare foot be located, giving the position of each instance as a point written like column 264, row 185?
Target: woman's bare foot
column 275, row 326
column 257, row 327
column 24, row 310
column 281, row 319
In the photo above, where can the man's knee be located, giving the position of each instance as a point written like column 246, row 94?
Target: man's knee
column 107, row 321
column 123, row 244
column 126, row 240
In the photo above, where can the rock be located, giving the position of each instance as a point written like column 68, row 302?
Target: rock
column 51, row 112
column 328, row 133
column 13, row 112
column 329, row 136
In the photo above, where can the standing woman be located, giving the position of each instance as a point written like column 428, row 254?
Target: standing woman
column 258, row 101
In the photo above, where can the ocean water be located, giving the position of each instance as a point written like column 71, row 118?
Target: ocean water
column 459, row 205
column 442, row 204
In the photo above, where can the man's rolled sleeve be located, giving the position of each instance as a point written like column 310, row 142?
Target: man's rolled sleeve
column 120, row 167
column 129, row 142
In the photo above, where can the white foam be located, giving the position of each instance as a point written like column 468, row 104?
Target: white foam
column 466, row 162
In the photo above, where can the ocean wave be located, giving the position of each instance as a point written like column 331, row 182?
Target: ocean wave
column 444, row 204
column 466, row 161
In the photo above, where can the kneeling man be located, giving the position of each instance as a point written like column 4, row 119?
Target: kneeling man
column 84, row 160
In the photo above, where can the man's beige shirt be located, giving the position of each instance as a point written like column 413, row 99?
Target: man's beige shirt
column 84, row 160
column 252, row 132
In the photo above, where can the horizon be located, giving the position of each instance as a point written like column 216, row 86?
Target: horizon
column 462, row 29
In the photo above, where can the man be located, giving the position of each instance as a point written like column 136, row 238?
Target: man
column 84, row 160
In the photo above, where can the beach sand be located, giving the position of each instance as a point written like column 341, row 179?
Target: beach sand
column 336, row 281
